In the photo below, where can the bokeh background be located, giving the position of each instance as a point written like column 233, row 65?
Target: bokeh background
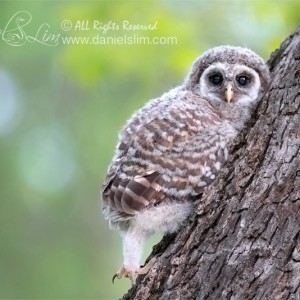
column 61, row 108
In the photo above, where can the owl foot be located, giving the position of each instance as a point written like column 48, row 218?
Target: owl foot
column 127, row 273
column 132, row 274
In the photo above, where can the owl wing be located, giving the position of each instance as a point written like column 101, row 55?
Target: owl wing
column 174, row 156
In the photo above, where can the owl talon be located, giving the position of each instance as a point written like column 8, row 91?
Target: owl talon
column 133, row 274
column 116, row 276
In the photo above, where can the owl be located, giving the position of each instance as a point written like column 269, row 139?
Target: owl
column 174, row 147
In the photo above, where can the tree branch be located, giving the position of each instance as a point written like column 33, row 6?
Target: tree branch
column 244, row 240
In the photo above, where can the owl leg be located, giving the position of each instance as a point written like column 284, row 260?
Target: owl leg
column 133, row 244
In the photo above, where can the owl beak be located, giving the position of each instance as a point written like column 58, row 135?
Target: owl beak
column 228, row 92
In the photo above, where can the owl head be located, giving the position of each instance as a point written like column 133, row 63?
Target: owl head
column 231, row 75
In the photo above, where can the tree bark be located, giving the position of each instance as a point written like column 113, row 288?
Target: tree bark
column 244, row 240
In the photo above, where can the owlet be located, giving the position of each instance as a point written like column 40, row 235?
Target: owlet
column 174, row 147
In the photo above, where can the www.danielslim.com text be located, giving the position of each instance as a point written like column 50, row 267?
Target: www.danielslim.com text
column 118, row 40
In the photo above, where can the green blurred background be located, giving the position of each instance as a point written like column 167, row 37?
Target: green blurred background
column 61, row 108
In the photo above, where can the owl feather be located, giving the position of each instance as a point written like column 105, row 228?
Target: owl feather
column 175, row 146
column 167, row 156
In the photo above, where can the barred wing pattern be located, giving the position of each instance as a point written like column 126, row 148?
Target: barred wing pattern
column 169, row 151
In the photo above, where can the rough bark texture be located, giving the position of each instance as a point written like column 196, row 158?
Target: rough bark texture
column 244, row 240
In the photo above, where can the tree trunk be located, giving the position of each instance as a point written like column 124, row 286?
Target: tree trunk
column 244, row 241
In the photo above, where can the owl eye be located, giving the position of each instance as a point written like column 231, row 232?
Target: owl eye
column 216, row 79
column 242, row 80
